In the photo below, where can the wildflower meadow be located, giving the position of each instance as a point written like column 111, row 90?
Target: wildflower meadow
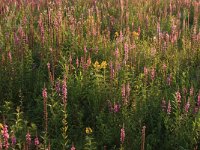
column 99, row 75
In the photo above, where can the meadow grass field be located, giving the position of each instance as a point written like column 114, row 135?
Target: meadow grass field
column 99, row 75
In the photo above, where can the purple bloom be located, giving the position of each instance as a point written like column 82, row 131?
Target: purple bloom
column 116, row 53
column 198, row 100
column 169, row 79
column 112, row 71
column 36, row 141
column 178, row 97
column 169, row 108
column 73, row 147
column 123, row 90
column 44, row 93
column 57, row 87
column 64, row 91
column 187, row 106
column 28, row 138
column 122, row 135
column 13, row 140
column 163, row 105
column 5, row 136
column 77, row 62
column 128, row 89
column 116, row 108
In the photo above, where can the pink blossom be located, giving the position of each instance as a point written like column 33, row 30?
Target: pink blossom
column 122, row 135
column 116, row 108
column 13, row 140
column 28, row 138
column 73, row 147
column 198, row 100
column 5, row 136
column 191, row 91
column 36, row 141
column 111, row 71
column 187, row 106
column 123, row 90
column 163, row 105
column 44, row 93
column 169, row 108
column 64, row 91
column 77, row 62
column 178, row 97
column 169, row 79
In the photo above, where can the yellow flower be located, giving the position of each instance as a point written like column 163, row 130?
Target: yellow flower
column 103, row 64
column 1, row 125
column 88, row 130
column 116, row 34
column 135, row 34
column 96, row 65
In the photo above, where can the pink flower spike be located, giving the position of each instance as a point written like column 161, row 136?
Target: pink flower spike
column 36, row 141
column 73, row 147
column 169, row 108
column 122, row 135
column 28, row 138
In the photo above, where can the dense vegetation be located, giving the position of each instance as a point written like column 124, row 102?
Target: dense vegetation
column 100, row 74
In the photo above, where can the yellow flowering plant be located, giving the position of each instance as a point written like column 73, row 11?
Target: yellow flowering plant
column 88, row 130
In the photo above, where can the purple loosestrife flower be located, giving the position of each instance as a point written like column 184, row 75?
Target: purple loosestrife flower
column 122, row 135
column 36, row 141
column 163, row 105
column 169, row 79
column 178, row 97
column 158, row 28
column 73, row 147
column 184, row 91
column 77, row 62
column 116, row 108
column 169, row 108
column 187, row 106
column 128, row 89
column 13, row 140
column 5, row 135
column 111, row 70
column 57, row 87
column 44, row 95
column 123, row 90
column 198, row 100
column 64, row 91
column 28, row 138
column 116, row 53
